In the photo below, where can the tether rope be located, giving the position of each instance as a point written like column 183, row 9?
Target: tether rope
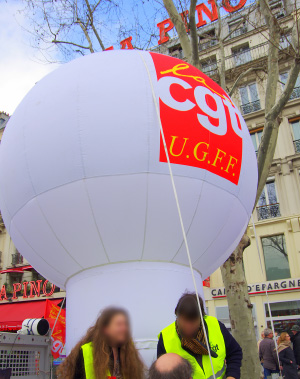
column 179, row 211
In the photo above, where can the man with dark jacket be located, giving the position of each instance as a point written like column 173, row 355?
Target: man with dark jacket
column 296, row 343
column 267, row 353
column 186, row 338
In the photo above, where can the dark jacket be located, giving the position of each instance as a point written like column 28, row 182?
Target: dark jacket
column 79, row 366
column 289, row 369
column 296, row 347
column 267, row 352
column 234, row 353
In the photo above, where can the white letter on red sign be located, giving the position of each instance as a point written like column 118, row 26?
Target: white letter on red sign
column 164, row 85
column 218, row 114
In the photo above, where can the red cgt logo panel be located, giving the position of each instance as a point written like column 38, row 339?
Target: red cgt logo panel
column 202, row 127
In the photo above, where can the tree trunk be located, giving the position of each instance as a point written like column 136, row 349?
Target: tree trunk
column 240, row 310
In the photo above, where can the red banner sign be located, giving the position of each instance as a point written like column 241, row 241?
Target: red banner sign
column 201, row 125
column 58, row 335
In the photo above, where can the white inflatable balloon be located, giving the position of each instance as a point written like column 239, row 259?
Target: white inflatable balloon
column 85, row 189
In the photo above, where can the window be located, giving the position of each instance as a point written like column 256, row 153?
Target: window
column 209, row 66
column 285, row 41
column 285, row 314
column 176, row 51
column 268, row 206
column 222, row 314
column 277, row 8
column 237, row 28
column 16, row 258
column 249, row 98
column 256, row 138
column 296, row 134
column 241, row 55
column 296, row 91
column 276, row 258
column 207, row 40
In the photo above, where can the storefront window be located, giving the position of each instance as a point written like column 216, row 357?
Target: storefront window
column 222, row 314
column 276, row 258
column 285, row 314
column 284, row 308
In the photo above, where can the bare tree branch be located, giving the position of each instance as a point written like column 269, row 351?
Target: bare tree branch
column 180, row 28
column 194, row 34
column 91, row 18
column 84, row 29
column 70, row 43
column 241, row 76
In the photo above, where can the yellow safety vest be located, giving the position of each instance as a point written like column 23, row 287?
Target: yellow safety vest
column 172, row 344
column 87, row 350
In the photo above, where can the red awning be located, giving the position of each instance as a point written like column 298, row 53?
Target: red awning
column 19, row 270
column 13, row 314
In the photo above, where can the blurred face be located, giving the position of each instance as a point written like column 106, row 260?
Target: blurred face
column 294, row 332
column 270, row 335
column 188, row 328
column 117, row 332
column 287, row 338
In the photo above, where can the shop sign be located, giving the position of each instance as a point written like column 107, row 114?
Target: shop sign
column 261, row 288
column 30, row 289
column 201, row 9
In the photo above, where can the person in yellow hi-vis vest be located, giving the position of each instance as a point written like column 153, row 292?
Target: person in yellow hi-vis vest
column 186, row 338
column 106, row 351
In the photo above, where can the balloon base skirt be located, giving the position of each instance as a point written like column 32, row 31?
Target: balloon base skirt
column 149, row 291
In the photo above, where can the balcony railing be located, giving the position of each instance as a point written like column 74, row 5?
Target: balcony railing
column 210, row 69
column 268, row 211
column 252, row 54
column 238, row 32
column 250, row 107
column 295, row 94
column 207, row 45
column 297, row 145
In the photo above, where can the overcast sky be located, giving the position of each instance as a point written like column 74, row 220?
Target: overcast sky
column 19, row 66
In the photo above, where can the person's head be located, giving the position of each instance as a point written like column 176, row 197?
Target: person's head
column 268, row 333
column 112, row 329
column 188, row 315
column 295, row 329
column 262, row 334
column 284, row 337
column 276, row 334
column 114, row 322
column 170, row 366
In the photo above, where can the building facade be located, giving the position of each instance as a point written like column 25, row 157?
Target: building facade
column 272, row 262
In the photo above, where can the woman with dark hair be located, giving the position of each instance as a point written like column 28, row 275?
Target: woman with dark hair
column 186, row 338
column 106, row 350
column 287, row 357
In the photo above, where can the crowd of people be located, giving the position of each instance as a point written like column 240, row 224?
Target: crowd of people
column 107, row 350
column 281, row 358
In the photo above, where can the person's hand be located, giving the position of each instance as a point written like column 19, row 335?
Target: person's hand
column 281, row 368
column 291, row 362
